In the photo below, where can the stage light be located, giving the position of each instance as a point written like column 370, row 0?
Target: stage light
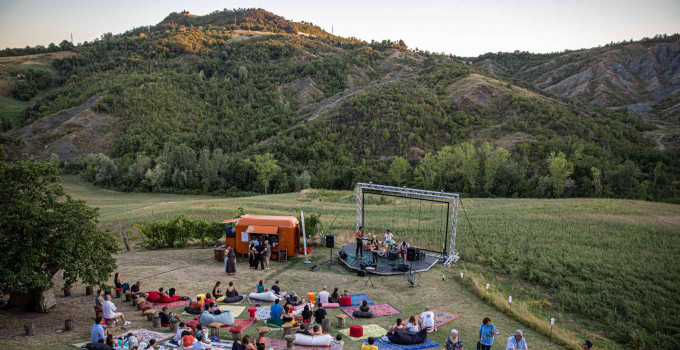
column 552, row 322
column 487, row 287
column 510, row 300
column 461, row 275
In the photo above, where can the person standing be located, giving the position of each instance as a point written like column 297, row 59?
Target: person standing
column 259, row 257
column 360, row 242
column 230, row 261
column 252, row 255
column 453, row 342
column 517, row 341
column 486, row 333
column 267, row 254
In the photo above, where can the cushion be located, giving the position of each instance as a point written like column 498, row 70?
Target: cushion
column 331, row 305
column 265, row 296
column 356, row 331
column 226, row 318
column 362, row 314
column 275, row 321
column 192, row 324
column 346, row 300
column 117, row 288
column 155, row 298
column 189, row 310
column 220, row 299
column 236, row 329
column 234, row 299
column 313, row 340
column 408, row 338
column 145, row 306
column 200, row 297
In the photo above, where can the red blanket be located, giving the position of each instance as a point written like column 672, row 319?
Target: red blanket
column 155, row 297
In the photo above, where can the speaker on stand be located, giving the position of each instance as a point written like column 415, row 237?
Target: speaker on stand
column 330, row 243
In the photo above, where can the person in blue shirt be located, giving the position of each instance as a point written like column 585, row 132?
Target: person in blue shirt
column 517, row 342
column 97, row 332
column 276, row 288
column 486, row 333
column 276, row 310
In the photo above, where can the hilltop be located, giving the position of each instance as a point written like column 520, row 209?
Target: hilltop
column 245, row 100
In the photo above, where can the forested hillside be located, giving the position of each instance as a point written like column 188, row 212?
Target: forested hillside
column 246, row 101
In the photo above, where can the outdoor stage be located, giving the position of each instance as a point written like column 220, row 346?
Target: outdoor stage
column 385, row 266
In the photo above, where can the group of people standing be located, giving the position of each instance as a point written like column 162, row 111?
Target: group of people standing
column 259, row 252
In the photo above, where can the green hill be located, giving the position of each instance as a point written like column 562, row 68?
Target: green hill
column 245, row 100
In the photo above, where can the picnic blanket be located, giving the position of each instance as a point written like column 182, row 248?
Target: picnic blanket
column 243, row 322
column 263, row 312
column 370, row 330
column 280, row 344
column 216, row 345
column 298, row 309
column 358, row 298
column 236, row 310
column 378, row 310
column 385, row 345
column 172, row 305
column 442, row 317
column 144, row 334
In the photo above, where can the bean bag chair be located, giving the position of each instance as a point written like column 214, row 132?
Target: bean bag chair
column 191, row 311
column 98, row 346
column 331, row 305
column 362, row 314
column 155, row 297
column 264, row 296
column 313, row 340
column 346, row 300
column 225, row 318
column 408, row 338
column 234, row 299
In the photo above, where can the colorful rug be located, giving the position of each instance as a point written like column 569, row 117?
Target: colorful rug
column 172, row 305
column 216, row 345
column 263, row 312
column 442, row 317
column 144, row 334
column 385, row 345
column 298, row 309
column 280, row 344
column 358, row 298
column 379, row 310
column 370, row 330
column 236, row 310
column 243, row 322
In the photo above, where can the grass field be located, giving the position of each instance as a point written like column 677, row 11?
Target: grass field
column 603, row 268
column 11, row 108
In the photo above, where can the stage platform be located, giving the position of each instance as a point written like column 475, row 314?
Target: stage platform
column 385, row 267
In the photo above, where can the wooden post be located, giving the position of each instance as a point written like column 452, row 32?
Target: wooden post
column 68, row 324
column 89, row 290
column 29, row 330
column 125, row 239
column 67, row 291
column 290, row 338
column 326, row 325
column 119, row 292
column 128, row 296
column 264, row 331
column 174, row 324
column 157, row 320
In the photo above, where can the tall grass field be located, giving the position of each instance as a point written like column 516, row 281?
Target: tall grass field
column 606, row 269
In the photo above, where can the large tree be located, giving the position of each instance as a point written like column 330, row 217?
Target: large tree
column 44, row 231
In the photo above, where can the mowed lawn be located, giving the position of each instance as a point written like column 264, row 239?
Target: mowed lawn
column 603, row 268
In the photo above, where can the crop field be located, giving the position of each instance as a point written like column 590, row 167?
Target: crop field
column 605, row 269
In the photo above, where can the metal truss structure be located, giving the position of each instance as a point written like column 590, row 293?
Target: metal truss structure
column 451, row 199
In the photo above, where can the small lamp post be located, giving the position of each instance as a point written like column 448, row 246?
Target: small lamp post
column 509, row 301
column 552, row 323
column 461, row 282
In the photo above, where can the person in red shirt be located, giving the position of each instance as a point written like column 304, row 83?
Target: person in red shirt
column 360, row 249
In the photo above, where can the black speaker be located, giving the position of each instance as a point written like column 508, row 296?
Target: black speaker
column 343, row 255
column 363, row 265
column 411, row 254
column 330, row 241
column 401, row 267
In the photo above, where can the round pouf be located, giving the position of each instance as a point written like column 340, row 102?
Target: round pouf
column 356, row 331
column 346, row 300
column 252, row 311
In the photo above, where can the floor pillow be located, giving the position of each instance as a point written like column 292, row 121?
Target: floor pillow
column 234, row 299
column 346, row 300
column 264, row 296
column 226, row 318
column 275, row 321
column 362, row 314
column 220, row 299
column 154, row 297
column 312, row 340
column 408, row 338
column 189, row 310
column 331, row 305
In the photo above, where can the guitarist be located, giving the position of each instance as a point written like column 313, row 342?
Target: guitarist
column 360, row 239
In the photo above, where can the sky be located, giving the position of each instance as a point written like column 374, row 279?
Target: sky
column 463, row 28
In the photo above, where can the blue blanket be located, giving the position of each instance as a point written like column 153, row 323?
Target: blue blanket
column 358, row 298
column 385, row 345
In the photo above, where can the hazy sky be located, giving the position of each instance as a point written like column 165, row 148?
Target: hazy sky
column 464, row 28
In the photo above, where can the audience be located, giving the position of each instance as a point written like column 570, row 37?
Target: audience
column 180, row 330
column 428, row 319
column 167, row 317
column 200, row 331
column 303, row 329
column 97, row 332
column 135, row 289
column 587, row 344
column 99, row 300
column 337, row 343
column 201, row 343
column 517, row 341
column 119, row 283
column 216, row 292
column 319, row 314
column 370, row 345
column 149, row 346
column 231, row 290
column 398, row 327
column 335, row 297
column 109, row 311
column 246, row 343
column 276, row 288
column 260, row 287
column 316, row 330
column 453, row 342
column 412, row 324
column 323, row 296
column 132, row 341
column 187, row 338
column 276, row 313
column 307, row 315
column 364, row 306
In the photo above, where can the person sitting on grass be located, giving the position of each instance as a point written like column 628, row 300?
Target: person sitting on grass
column 316, row 330
column 150, row 345
column 260, row 287
column 246, row 343
column 180, row 330
column 214, row 309
column 370, row 345
column 208, row 299
column 187, row 338
column 587, row 344
column 231, row 291
column 428, row 320
column 302, row 330
column 323, row 296
column 132, row 341
column 335, row 297
column 364, row 306
column 167, row 317
column 201, row 343
column 453, row 342
column 216, row 290
column 200, row 331
column 412, row 325
column 337, row 343
column 345, row 293
column 319, row 314
column 109, row 311
column 97, row 332
column 398, row 327
column 288, row 316
column 276, row 314
column 307, row 315
column 293, row 299
column 276, row 289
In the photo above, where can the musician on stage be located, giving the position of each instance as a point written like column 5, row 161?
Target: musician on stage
column 374, row 250
column 360, row 242
column 403, row 247
column 389, row 237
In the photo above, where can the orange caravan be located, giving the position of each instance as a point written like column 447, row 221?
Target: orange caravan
column 283, row 232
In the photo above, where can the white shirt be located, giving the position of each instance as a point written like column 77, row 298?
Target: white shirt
column 428, row 318
column 412, row 327
column 388, row 236
column 109, row 310
column 516, row 345
column 199, row 345
column 178, row 336
column 323, row 297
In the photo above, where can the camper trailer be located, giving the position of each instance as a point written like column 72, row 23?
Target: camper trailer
column 282, row 232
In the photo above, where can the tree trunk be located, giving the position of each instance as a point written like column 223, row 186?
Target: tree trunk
column 89, row 290
column 68, row 324
column 67, row 292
